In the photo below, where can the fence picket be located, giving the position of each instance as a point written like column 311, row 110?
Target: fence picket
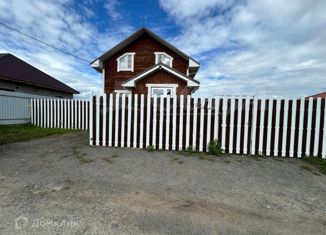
column 160, row 145
column 188, row 121
column 216, row 117
column 181, row 122
column 277, row 126
column 135, row 120
column 123, row 111
column 246, row 127
column 104, row 120
column 167, row 125
column 293, row 118
column 261, row 126
column 90, row 121
column 174, row 123
column 129, row 120
column 317, row 127
column 239, row 125
column 154, row 121
column 116, row 132
column 148, row 118
column 209, row 117
column 300, row 138
column 231, row 125
column 285, row 126
column 254, row 127
column 308, row 139
column 110, row 118
column 201, row 127
column 224, row 107
column 324, row 133
column 141, row 128
column 97, row 119
column 194, row 129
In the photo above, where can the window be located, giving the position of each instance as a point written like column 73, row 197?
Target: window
column 164, row 90
column 163, row 58
column 126, row 62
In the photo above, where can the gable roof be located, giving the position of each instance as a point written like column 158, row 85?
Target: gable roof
column 321, row 95
column 97, row 62
column 131, row 82
column 16, row 70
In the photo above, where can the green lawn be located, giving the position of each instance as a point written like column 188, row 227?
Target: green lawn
column 16, row 133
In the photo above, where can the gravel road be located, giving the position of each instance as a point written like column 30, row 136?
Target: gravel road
column 60, row 184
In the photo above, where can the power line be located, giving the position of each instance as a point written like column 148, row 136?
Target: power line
column 40, row 41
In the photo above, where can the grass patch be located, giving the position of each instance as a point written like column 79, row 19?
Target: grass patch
column 306, row 168
column 317, row 162
column 81, row 156
column 17, row 133
column 256, row 157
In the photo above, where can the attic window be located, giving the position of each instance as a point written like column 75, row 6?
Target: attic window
column 126, row 62
column 163, row 58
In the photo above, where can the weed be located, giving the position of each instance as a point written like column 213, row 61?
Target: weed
column 317, row 162
column 81, row 157
column 150, row 148
column 108, row 159
column 86, row 160
column 214, row 148
column 306, row 168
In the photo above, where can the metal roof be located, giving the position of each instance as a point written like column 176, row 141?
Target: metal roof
column 137, row 35
column 16, row 70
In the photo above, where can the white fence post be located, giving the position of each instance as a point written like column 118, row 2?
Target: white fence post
column 141, row 131
column 308, row 139
column 293, row 122
column 277, row 126
column 324, row 133
column 285, row 126
column 201, row 126
column 261, row 126
column 224, row 113
column 188, row 121
column 245, row 141
column 194, row 128
column 167, row 125
column 160, row 146
column 148, row 117
column 300, row 138
column 216, row 117
column 209, row 119
column 239, row 124
column 231, row 125
column 123, row 111
column 97, row 119
column 129, row 120
column 116, row 129
column 110, row 119
column 174, row 123
column 135, row 120
column 317, row 127
column 254, row 127
column 181, row 122
column 104, row 120
column 91, row 121
column 154, row 121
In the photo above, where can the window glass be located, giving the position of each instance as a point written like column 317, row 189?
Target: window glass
column 164, row 91
column 125, row 62
column 164, row 59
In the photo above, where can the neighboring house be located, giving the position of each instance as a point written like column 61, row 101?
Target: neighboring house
column 144, row 63
column 321, row 95
column 18, row 76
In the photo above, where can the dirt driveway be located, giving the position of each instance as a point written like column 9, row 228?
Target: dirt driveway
column 61, row 185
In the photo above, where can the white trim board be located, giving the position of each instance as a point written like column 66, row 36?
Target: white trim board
column 131, row 83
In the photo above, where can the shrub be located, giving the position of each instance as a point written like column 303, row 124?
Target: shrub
column 214, row 148
column 150, row 148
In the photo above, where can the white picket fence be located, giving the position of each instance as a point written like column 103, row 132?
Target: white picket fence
column 273, row 127
column 60, row 113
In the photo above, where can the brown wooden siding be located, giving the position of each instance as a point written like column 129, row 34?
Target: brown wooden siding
column 161, row 77
column 144, row 47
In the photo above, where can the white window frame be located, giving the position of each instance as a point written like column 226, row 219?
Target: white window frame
column 120, row 92
column 132, row 61
column 154, row 85
column 167, row 55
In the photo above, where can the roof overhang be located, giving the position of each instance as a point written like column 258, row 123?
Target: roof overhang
column 132, row 82
column 97, row 64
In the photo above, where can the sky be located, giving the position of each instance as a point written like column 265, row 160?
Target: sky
column 270, row 48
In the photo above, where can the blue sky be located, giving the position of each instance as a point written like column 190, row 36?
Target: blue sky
column 247, row 47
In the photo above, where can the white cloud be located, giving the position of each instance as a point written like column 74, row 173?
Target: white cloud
column 111, row 7
column 267, row 47
column 57, row 23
